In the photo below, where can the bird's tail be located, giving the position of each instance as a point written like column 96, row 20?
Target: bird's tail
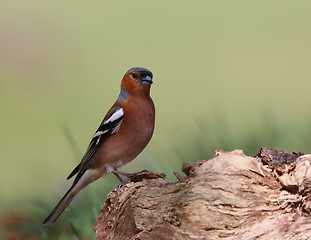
column 83, row 179
column 60, row 207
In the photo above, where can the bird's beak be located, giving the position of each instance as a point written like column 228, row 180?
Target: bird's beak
column 146, row 80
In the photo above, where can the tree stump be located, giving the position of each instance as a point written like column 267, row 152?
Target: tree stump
column 231, row 196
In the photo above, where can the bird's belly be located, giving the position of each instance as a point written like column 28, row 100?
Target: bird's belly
column 124, row 150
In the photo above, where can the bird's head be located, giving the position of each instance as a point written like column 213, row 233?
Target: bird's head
column 137, row 81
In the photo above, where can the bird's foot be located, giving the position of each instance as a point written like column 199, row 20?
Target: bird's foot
column 129, row 176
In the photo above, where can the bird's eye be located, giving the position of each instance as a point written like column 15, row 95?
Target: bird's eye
column 134, row 75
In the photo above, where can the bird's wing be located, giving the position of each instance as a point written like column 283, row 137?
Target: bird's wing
column 105, row 130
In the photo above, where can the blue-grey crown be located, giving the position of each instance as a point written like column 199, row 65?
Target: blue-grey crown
column 143, row 71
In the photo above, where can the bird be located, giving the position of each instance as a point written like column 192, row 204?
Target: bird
column 124, row 132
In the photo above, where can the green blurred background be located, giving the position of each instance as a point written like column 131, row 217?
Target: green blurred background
column 227, row 74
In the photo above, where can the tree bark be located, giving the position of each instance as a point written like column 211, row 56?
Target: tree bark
column 231, row 196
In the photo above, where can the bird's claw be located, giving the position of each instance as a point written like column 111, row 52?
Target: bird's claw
column 129, row 176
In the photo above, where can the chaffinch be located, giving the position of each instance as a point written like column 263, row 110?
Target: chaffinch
column 123, row 134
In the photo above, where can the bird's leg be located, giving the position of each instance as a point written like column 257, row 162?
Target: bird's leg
column 128, row 176
column 117, row 175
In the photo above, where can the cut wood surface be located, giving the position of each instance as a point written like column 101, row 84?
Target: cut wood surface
column 231, row 196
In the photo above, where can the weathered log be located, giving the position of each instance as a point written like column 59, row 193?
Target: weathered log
column 231, row 196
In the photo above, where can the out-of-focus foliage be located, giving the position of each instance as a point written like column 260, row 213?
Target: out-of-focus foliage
column 187, row 146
